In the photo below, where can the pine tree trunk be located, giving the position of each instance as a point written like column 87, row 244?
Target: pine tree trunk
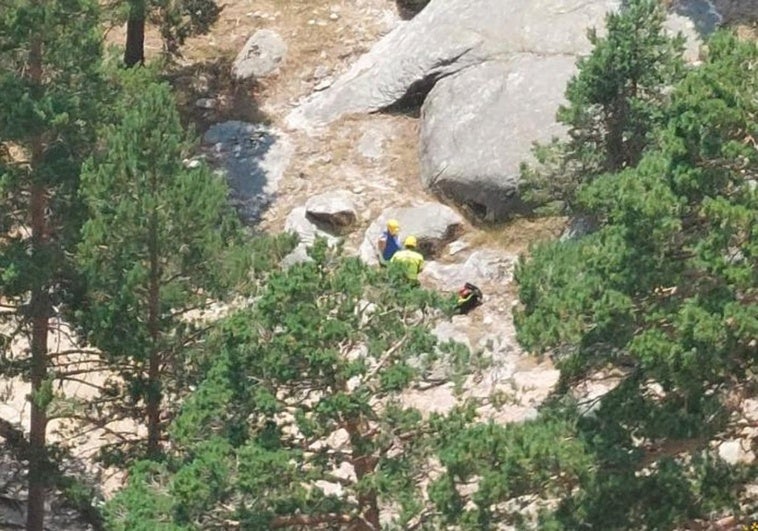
column 153, row 371
column 40, row 310
column 363, row 464
column 135, row 34
column 38, row 425
column 616, row 122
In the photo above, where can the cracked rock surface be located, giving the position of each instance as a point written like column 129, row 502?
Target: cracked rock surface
column 495, row 72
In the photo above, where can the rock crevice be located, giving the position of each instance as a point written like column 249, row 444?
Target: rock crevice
column 491, row 75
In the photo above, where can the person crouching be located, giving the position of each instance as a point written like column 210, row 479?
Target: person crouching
column 410, row 258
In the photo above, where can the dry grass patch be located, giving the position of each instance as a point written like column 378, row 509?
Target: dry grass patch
column 748, row 32
column 518, row 235
column 317, row 33
column 334, row 160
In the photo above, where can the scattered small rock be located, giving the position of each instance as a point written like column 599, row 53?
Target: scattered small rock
column 320, row 72
column 456, row 247
column 206, row 103
column 260, row 56
column 734, row 453
column 335, row 209
column 324, row 84
column 371, row 143
column 200, row 84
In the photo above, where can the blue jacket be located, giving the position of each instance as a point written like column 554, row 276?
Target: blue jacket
column 391, row 247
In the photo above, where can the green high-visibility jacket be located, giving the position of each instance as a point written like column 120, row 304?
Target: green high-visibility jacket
column 412, row 260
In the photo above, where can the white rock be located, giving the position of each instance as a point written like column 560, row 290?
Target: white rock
column 306, row 229
column 733, row 452
column 205, row 103
column 336, row 209
column 456, row 247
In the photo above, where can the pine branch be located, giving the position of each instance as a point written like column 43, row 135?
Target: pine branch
column 384, row 359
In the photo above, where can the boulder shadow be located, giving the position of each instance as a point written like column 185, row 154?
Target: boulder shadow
column 243, row 153
column 237, row 139
column 206, row 94
column 407, row 9
column 702, row 13
column 409, row 104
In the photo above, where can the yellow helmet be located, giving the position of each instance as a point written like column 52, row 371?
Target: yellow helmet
column 393, row 226
column 410, row 241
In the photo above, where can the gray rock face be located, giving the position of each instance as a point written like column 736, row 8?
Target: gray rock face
column 446, row 37
column 471, row 148
column 260, row 56
column 307, row 230
column 253, row 158
column 335, row 209
column 298, row 255
column 433, row 224
column 485, row 265
column 498, row 69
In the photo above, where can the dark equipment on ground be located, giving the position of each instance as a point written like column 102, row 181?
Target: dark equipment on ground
column 469, row 297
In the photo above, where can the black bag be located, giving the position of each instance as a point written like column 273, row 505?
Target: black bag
column 469, row 297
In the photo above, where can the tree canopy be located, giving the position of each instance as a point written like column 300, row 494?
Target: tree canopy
column 299, row 421
column 664, row 292
column 614, row 102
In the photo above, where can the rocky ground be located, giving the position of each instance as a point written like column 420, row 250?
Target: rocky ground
column 373, row 158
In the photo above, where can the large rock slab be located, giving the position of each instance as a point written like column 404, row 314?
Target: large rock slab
column 496, row 71
column 446, row 37
column 471, row 148
column 433, row 224
column 252, row 157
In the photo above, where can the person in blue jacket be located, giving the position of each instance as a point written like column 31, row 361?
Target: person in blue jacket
column 388, row 243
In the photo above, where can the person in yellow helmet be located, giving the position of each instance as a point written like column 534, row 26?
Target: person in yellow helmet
column 388, row 243
column 410, row 258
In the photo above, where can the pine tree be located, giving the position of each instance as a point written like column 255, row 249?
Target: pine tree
column 160, row 241
column 49, row 92
column 303, row 387
column 176, row 19
column 614, row 102
column 665, row 293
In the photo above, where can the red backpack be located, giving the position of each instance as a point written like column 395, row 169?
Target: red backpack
column 469, row 297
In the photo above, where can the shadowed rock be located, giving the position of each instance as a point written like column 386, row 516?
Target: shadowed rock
column 334, row 209
column 252, row 157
